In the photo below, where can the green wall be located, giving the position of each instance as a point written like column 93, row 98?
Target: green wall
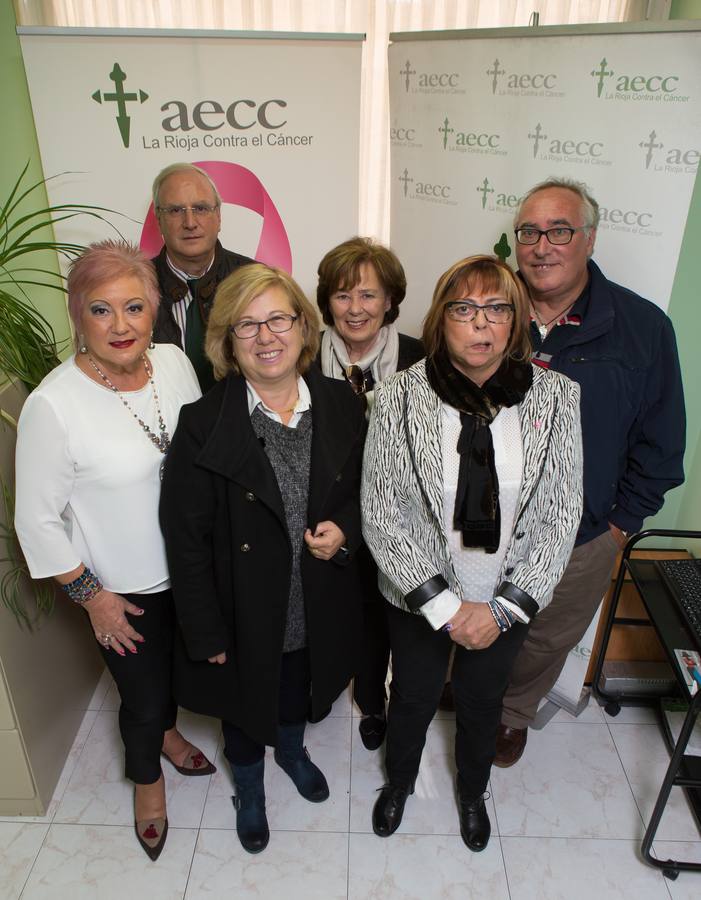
column 685, row 9
column 683, row 506
column 19, row 144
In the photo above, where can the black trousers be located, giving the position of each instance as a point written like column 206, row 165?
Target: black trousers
column 369, row 681
column 419, row 662
column 295, row 685
column 143, row 680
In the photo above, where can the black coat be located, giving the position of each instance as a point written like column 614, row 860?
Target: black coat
column 411, row 350
column 229, row 555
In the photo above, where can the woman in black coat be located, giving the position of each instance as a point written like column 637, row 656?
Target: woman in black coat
column 361, row 284
column 260, row 511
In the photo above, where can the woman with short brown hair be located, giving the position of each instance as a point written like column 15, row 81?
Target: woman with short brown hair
column 472, row 494
column 361, row 284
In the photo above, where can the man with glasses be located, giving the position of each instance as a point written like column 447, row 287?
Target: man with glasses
column 622, row 351
column 192, row 262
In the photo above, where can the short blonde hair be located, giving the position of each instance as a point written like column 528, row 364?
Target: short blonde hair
column 486, row 274
column 231, row 300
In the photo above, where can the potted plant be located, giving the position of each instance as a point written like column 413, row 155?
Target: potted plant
column 28, row 350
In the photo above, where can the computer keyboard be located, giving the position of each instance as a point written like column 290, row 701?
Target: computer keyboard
column 683, row 578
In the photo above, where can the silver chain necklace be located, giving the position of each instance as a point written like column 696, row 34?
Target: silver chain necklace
column 160, row 441
column 543, row 326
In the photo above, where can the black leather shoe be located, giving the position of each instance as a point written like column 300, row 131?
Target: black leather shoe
column 475, row 826
column 372, row 731
column 511, row 742
column 389, row 809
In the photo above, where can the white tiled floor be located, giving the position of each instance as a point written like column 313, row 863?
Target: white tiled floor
column 566, row 823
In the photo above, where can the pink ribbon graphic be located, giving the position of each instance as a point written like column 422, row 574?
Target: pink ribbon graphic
column 237, row 185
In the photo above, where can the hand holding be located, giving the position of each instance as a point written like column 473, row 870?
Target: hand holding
column 326, row 540
column 106, row 611
column 473, row 626
column 219, row 659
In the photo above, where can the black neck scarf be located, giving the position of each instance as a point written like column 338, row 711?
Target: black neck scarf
column 477, row 514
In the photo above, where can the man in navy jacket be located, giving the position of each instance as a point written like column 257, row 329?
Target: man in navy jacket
column 621, row 349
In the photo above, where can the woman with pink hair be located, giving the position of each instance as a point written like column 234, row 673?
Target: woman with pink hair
column 92, row 440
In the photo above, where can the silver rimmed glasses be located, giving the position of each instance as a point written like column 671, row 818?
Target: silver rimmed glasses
column 199, row 211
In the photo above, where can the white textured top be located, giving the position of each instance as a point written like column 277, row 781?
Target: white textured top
column 87, row 475
column 478, row 571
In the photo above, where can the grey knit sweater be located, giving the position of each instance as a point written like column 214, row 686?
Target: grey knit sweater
column 290, row 451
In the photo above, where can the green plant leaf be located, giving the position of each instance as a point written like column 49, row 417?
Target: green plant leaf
column 28, row 350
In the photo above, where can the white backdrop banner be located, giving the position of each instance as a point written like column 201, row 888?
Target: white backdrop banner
column 280, row 142
column 477, row 121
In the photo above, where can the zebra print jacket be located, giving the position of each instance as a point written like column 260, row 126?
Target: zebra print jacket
column 402, row 492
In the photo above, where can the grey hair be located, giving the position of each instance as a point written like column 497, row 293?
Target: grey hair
column 590, row 208
column 180, row 167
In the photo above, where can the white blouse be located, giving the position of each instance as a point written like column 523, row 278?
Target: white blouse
column 87, row 475
column 478, row 571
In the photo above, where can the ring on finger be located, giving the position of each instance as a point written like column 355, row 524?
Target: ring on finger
column 105, row 638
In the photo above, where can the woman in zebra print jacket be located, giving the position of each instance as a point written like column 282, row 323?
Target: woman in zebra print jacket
column 471, row 497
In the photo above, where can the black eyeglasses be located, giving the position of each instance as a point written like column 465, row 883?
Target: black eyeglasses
column 558, row 236
column 277, row 324
column 466, row 311
column 199, row 211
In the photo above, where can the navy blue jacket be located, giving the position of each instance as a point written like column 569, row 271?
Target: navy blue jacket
column 624, row 356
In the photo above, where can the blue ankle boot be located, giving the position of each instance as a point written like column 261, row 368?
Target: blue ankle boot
column 292, row 757
column 249, row 802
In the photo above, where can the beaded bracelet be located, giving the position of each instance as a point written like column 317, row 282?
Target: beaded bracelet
column 84, row 587
column 502, row 617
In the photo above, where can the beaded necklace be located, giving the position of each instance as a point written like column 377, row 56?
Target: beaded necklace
column 160, row 441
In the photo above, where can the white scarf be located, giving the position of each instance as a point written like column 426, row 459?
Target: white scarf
column 381, row 359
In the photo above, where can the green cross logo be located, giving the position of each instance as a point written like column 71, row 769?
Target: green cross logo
column 121, row 98
column 445, row 131
column 601, row 73
column 407, row 73
column 485, row 189
column 405, row 179
column 650, row 145
column 536, row 136
column 495, row 73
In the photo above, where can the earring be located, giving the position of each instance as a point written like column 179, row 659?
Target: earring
column 82, row 348
column 151, row 343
